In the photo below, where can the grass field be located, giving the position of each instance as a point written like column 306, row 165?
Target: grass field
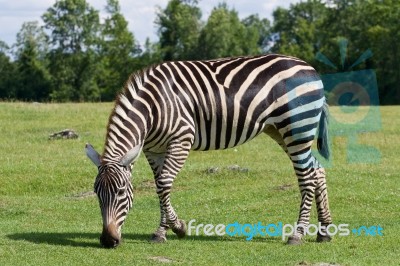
column 48, row 216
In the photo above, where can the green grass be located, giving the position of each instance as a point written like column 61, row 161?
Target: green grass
column 45, row 219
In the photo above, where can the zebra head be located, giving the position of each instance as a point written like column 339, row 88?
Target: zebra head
column 115, row 193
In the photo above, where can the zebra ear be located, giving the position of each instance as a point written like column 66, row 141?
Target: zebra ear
column 131, row 156
column 93, row 155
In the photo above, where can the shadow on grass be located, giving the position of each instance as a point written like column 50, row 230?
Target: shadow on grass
column 91, row 240
column 68, row 239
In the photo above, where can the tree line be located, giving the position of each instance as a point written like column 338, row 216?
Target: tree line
column 72, row 56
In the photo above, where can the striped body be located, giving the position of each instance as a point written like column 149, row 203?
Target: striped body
column 223, row 102
column 174, row 107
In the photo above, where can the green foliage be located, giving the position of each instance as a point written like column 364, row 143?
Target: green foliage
column 8, row 73
column 225, row 35
column 150, row 55
column 74, row 27
column 381, row 34
column 75, row 57
column 31, row 34
column 49, row 217
column 179, row 27
column 117, row 49
column 255, row 26
column 74, row 76
column 317, row 26
column 299, row 29
column 33, row 80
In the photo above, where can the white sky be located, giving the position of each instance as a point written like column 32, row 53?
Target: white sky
column 140, row 14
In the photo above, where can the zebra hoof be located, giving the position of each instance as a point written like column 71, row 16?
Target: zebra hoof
column 158, row 238
column 294, row 240
column 323, row 238
column 181, row 230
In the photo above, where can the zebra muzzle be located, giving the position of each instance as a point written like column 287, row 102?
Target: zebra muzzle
column 110, row 238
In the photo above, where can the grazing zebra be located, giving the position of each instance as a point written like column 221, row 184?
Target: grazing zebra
column 171, row 108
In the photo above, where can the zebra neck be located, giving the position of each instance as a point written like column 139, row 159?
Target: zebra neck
column 124, row 132
column 129, row 121
column 114, row 153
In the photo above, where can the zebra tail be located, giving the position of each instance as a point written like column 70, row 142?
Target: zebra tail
column 322, row 143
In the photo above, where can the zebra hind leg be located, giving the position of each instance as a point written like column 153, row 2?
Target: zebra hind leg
column 275, row 135
column 311, row 179
column 307, row 179
column 321, row 198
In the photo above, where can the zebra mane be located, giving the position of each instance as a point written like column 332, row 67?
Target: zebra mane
column 135, row 80
column 130, row 89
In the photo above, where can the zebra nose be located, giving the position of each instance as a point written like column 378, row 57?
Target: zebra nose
column 110, row 238
column 109, row 242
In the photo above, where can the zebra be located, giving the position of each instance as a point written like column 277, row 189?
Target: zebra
column 170, row 108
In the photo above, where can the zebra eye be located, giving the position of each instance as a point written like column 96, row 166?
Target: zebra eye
column 121, row 192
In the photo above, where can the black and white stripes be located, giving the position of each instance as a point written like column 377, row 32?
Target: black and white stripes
column 173, row 107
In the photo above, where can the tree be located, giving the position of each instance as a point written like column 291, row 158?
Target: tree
column 257, row 27
column 32, row 33
column 179, row 27
column 366, row 25
column 118, row 47
column 74, row 25
column 224, row 35
column 7, row 73
column 33, row 80
column 74, row 35
column 299, row 29
column 382, row 36
column 150, row 55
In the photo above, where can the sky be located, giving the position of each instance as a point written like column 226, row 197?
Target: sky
column 140, row 14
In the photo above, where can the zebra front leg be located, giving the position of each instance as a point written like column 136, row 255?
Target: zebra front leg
column 171, row 164
column 169, row 218
column 156, row 161
column 321, row 198
column 179, row 227
column 177, row 154
column 160, row 235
